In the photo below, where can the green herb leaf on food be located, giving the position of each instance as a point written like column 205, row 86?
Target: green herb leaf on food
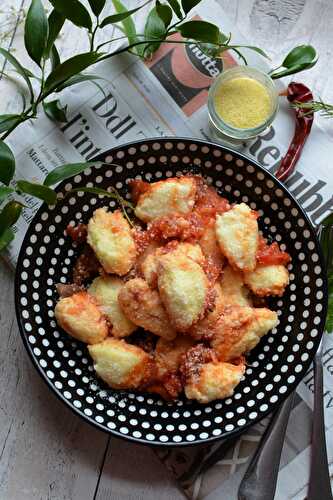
column 38, row 190
column 7, row 163
column 202, row 31
column 54, row 111
column 65, row 171
column 36, row 31
column 74, row 11
column 113, row 193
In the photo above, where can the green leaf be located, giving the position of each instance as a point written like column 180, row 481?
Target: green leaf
column 97, row 6
column 9, row 215
column 74, row 11
column 326, row 241
column 102, row 192
column 251, row 47
column 292, row 70
column 121, row 14
column 6, row 237
column 24, row 72
column 36, row 31
column 165, row 13
column 175, row 7
column 38, row 190
column 7, row 121
column 7, row 163
column 5, row 191
column 56, row 21
column 68, row 69
column 54, row 111
column 189, row 4
column 128, row 26
column 55, row 58
column 300, row 55
column 66, row 171
column 154, row 29
column 200, row 30
column 79, row 78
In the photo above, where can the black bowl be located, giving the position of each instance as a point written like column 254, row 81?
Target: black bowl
column 275, row 367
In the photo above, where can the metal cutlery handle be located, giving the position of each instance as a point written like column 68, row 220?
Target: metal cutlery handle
column 319, row 484
column 259, row 481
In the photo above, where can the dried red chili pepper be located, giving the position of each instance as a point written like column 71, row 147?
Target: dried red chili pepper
column 296, row 92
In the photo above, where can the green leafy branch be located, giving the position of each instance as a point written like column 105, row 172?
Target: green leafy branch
column 41, row 31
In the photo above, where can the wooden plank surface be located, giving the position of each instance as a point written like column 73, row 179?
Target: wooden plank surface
column 45, row 451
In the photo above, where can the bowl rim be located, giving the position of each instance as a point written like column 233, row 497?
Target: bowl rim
column 238, row 430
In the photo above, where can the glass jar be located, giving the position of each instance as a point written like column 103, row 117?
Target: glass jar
column 224, row 132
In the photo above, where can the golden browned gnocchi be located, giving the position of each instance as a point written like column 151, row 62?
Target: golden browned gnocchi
column 267, row 280
column 238, row 236
column 144, row 308
column 106, row 289
column 121, row 365
column 240, row 329
column 173, row 196
column 215, row 380
column 168, row 306
column 80, row 316
column 233, row 290
column 110, row 237
column 184, row 289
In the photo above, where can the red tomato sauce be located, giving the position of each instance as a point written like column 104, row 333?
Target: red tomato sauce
column 271, row 254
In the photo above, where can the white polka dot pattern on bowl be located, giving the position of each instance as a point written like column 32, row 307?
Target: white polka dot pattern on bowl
column 274, row 367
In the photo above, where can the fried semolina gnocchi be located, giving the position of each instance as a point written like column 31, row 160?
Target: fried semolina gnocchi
column 184, row 289
column 168, row 355
column 80, row 316
column 216, row 380
column 144, row 308
column 110, row 237
column 240, row 329
column 121, row 365
column 184, row 280
column 233, row 290
column 267, row 280
column 210, row 247
column 205, row 377
column 238, row 236
column 204, row 328
column 105, row 289
column 150, row 264
column 169, row 197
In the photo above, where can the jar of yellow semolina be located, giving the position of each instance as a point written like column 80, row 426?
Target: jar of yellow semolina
column 242, row 103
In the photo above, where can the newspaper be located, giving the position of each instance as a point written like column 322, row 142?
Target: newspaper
column 167, row 96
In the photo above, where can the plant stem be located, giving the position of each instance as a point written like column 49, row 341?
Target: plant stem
column 92, row 40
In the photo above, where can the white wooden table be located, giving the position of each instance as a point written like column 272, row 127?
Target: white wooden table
column 45, row 451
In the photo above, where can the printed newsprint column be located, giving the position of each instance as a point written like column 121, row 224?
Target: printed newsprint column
column 167, row 96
